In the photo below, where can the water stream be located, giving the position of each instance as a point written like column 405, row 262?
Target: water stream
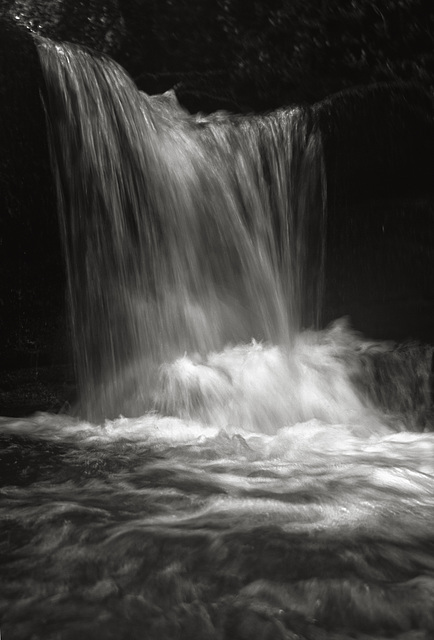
column 232, row 470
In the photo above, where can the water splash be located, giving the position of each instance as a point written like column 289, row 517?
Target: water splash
column 181, row 234
column 204, row 525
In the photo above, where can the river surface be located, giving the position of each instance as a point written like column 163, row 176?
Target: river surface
column 272, row 494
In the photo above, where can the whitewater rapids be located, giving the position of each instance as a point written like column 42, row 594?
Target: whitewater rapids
column 268, row 495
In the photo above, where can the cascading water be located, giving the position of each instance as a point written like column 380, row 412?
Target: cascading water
column 182, row 234
column 276, row 482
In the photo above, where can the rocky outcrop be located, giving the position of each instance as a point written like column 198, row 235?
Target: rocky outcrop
column 379, row 156
column 30, row 257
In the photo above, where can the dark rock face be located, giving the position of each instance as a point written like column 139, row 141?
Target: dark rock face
column 378, row 140
column 30, row 258
column 379, row 153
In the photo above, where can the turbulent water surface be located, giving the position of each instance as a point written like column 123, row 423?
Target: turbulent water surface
column 295, row 501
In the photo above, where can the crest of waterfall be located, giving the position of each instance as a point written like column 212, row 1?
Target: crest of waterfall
column 182, row 234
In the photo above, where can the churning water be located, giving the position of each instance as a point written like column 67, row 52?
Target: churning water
column 271, row 482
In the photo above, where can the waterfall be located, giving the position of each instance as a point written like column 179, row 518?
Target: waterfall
column 265, row 480
column 182, row 234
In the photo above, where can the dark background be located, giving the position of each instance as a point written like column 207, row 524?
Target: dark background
column 246, row 54
column 242, row 56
